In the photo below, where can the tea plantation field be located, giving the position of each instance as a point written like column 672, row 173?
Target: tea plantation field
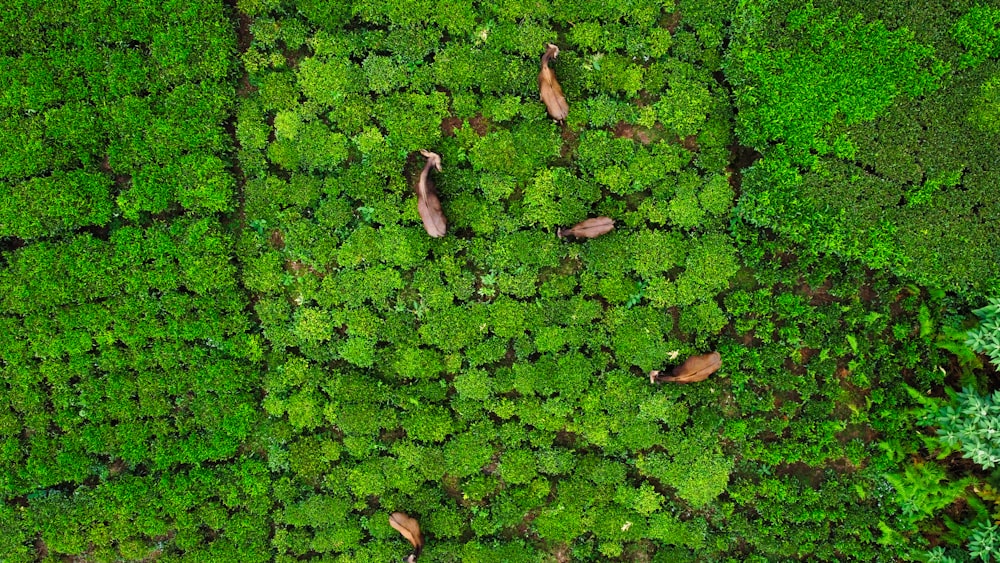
column 235, row 327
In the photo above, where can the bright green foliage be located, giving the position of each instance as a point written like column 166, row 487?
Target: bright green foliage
column 86, row 120
column 684, row 210
column 496, row 365
column 710, row 264
column 556, row 197
column 979, row 33
column 130, row 372
column 43, row 205
column 428, row 343
column 822, row 68
column 327, row 82
column 684, row 106
column 698, row 476
column 967, row 422
column 716, row 196
column 985, row 112
column 876, row 144
column 937, row 555
column 923, row 488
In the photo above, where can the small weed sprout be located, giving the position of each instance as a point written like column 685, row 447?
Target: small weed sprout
column 488, row 282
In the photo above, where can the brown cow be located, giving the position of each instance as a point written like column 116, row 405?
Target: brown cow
column 549, row 89
column 410, row 530
column 428, row 204
column 593, row 227
column 696, row 368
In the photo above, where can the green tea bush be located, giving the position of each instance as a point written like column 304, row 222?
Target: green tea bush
column 710, row 264
column 834, row 181
column 986, row 108
column 61, row 202
column 263, row 377
column 146, row 412
column 977, row 32
column 818, row 50
column 556, row 197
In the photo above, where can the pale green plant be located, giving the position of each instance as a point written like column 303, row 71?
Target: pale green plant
column 985, row 541
column 971, row 423
column 985, row 338
column 937, row 555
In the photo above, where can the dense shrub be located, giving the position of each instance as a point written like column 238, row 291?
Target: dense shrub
column 57, row 203
column 129, row 399
column 977, row 32
column 898, row 174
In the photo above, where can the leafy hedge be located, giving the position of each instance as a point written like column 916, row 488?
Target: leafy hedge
column 112, row 106
column 468, row 379
column 876, row 141
column 490, row 383
column 129, row 370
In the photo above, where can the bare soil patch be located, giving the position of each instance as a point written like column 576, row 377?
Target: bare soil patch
column 626, row 130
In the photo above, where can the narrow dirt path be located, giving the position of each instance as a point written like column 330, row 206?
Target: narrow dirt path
column 244, row 37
